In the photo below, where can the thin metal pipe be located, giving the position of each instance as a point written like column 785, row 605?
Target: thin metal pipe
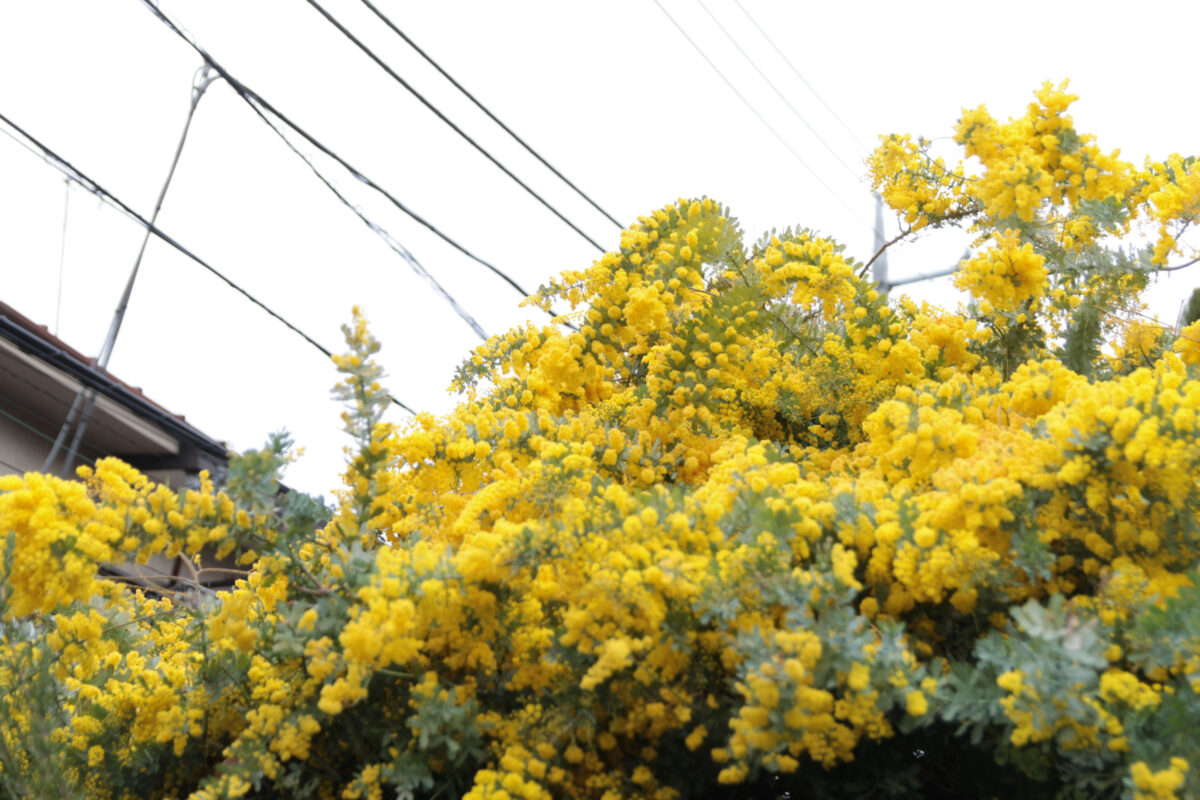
column 62, row 252
column 85, row 401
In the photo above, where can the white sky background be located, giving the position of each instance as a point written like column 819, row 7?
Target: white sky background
column 608, row 92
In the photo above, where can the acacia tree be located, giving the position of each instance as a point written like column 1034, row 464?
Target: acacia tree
column 743, row 527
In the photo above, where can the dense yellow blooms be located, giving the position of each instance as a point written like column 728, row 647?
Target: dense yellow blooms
column 1006, row 276
column 922, row 188
column 1188, row 344
column 1173, row 192
column 745, row 516
column 1162, row 785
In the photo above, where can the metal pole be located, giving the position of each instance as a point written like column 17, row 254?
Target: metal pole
column 62, row 253
column 879, row 270
column 85, row 401
column 928, row 276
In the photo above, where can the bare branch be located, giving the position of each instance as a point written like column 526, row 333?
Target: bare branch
column 1178, row 266
column 879, row 252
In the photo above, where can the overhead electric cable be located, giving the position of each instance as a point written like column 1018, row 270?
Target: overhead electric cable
column 485, row 110
column 251, row 97
column 760, row 117
column 391, row 242
column 775, row 89
column 786, row 60
column 68, row 169
column 395, row 76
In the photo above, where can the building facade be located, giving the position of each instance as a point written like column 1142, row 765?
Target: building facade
column 42, row 378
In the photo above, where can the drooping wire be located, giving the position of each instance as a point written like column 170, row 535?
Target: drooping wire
column 485, row 110
column 761, row 118
column 67, row 168
column 786, row 60
column 251, row 98
column 391, row 242
column 395, row 76
column 775, row 89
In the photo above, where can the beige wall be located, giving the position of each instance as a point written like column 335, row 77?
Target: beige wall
column 20, row 449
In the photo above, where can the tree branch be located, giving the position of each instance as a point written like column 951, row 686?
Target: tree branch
column 879, row 252
column 1184, row 265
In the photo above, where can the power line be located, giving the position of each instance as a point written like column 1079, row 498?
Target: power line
column 774, row 88
column 786, row 60
column 447, row 120
column 253, row 99
column 760, row 117
column 68, row 169
column 378, row 230
column 391, row 242
column 485, row 110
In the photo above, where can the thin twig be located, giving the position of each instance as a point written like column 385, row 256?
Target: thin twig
column 149, row 575
column 321, row 591
column 191, row 568
column 135, row 620
column 1179, row 266
column 878, row 253
column 225, row 570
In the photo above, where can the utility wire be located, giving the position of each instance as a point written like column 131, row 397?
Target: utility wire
column 485, row 110
column 252, row 98
column 447, row 120
column 775, row 89
column 68, row 169
column 761, row 118
column 786, row 60
column 391, row 242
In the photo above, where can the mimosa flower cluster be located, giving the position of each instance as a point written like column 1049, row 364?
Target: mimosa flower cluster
column 737, row 524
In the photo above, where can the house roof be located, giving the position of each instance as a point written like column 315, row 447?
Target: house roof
column 133, row 423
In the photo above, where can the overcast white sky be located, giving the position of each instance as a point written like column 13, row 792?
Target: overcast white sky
column 609, row 92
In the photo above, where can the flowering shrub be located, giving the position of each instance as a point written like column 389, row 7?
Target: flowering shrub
column 737, row 525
